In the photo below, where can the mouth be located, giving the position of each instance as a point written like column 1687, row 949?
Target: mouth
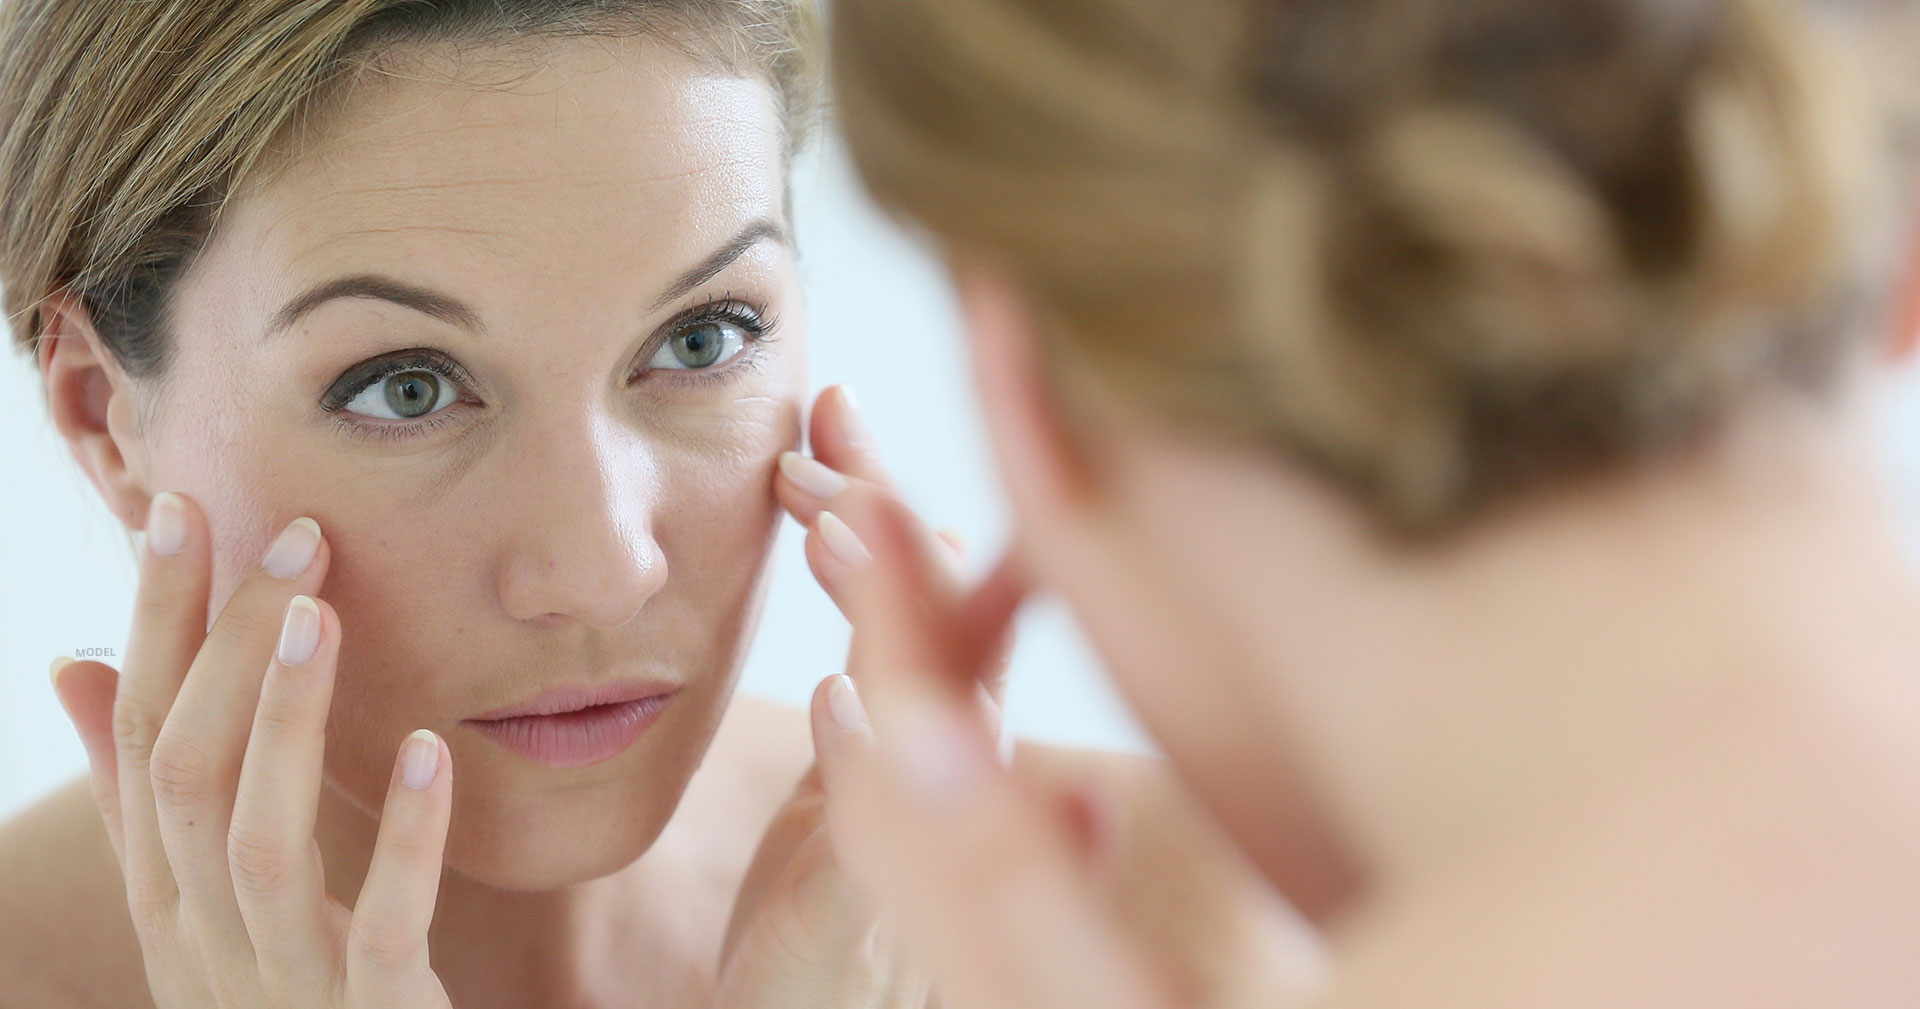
column 576, row 727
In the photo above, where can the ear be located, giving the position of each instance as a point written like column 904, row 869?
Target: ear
column 1906, row 338
column 91, row 401
column 1044, row 473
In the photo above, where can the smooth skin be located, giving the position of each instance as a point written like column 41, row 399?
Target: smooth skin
column 246, row 917
column 579, row 508
column 1652, row 742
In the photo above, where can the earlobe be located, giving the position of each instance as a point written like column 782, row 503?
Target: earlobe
column 90, row 401
column 1906, row 338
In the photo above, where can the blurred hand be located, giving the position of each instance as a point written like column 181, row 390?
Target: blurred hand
column 983, row 869
column 801, row 935
column 205, row 761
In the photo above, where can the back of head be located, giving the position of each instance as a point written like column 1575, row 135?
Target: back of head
column 1438, row 249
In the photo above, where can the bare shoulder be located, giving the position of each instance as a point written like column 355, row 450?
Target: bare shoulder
column 1187, row 888
column 65, row 937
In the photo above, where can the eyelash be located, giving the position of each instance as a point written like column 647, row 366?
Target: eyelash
column 759, row 326
column 756, row 323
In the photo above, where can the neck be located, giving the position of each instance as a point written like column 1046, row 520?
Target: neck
column 1547, row 659
column 622, row 939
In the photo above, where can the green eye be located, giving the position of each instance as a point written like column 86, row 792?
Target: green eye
column 403, row 395
column 699, row 346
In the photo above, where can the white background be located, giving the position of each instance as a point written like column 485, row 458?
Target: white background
column 880, row 318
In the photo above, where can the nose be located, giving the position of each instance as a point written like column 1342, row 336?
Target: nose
column 582, row 503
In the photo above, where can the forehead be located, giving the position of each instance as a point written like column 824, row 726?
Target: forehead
column 576, row 161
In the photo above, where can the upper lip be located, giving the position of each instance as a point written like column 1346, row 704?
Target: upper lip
column 559, row 700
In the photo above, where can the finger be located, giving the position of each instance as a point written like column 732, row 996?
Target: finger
column 807, row 489
column 970, row 865
column 972, row 631
column 169, row 625
column 841, row 731
column 983, row 624
column 963, row 636
column 278, row 879
column 198, row 755
column 839, row 437
column 86, row 690
column 387, row 940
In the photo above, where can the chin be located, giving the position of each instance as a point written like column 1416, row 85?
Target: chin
column 567, row 842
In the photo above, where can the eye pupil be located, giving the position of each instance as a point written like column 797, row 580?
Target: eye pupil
column 699, row 346
column 413, row 393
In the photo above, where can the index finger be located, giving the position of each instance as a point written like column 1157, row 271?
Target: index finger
column 953, row 844
column 169, row 625
column 840, row 438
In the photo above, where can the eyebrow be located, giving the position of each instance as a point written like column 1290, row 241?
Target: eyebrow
column 762, row 230
column 452, row 310
column 373, row 285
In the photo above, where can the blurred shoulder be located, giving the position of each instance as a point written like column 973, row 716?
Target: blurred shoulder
column 65, row 937
column 1179, row 879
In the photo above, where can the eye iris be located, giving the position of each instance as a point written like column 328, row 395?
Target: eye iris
column 412, row 393
column 699, row 346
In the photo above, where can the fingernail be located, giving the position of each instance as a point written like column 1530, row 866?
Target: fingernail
column 60, row 663
column 300, row 635
column 857, row 431
column 811, row 475
column 294, row 549
column 419, row 759
column 166, row 524
column 937, row 758
column 844, row 703
column 842, row 541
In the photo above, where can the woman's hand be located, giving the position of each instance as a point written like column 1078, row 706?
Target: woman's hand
column 205, row 754
column 984, row 870
column 800, row 934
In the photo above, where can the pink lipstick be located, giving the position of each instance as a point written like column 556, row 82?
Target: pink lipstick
column 576, row 726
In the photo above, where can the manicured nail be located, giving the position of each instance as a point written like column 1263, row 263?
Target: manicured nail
column 937, row 758
column 294, row 550
column 419, row 759
column 857, row 431
column 166, row 524
column 842, row 541
column 844, row 703
column 300, row 635
column 811, row 475
column 60, row 663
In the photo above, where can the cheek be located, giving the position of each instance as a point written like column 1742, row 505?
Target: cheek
column 717, row 511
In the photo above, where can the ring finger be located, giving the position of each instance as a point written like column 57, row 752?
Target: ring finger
column 197, row 755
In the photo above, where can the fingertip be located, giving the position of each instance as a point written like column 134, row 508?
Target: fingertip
column 841, row 541
column 844, row 706
column 60, row 664
column 421, row 757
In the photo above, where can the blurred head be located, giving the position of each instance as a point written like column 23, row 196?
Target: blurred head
column 1361, row 275
column 501, row 294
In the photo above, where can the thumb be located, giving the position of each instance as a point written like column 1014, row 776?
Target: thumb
column 86, row 692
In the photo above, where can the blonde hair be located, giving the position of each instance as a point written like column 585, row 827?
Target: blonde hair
column 1434, row 248
column 124, row 126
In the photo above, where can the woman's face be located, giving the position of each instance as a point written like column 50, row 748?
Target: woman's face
column 538, row 424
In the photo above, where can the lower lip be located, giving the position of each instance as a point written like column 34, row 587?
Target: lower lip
column 575, row 738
